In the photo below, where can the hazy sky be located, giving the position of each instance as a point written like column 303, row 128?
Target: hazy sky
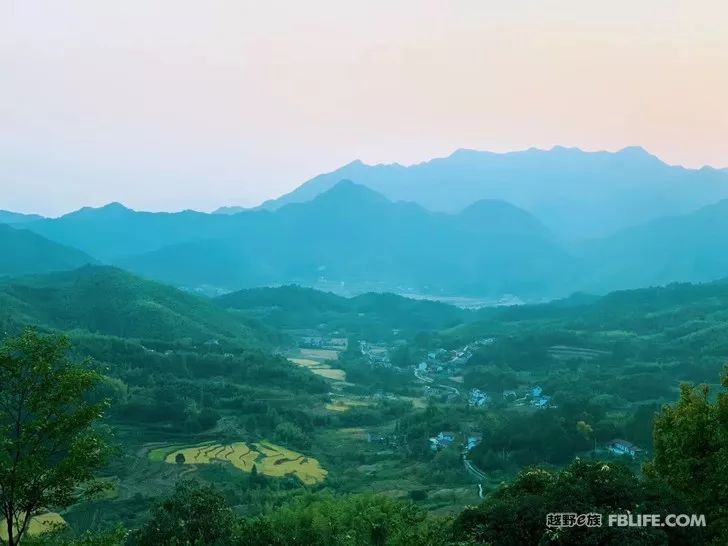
column 172, row 104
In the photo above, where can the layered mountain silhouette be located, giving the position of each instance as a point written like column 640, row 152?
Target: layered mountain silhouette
column 23, row 252
column 428, row 231
column 577, row 194
column 353, row 236
column 9, row 217
column 114, row 231
column 690, row 247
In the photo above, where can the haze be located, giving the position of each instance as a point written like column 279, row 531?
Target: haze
column 167, row 105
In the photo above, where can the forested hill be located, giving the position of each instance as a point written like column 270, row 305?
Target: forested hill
column 657, row 336
column 370, row 315
column 645, row 310
column 107, row 300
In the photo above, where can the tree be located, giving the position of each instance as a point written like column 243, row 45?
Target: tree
column 48, row 447
column 180, row 458
column 691, row 453
column 194, row 515
column 515, row 513
column 355, row 520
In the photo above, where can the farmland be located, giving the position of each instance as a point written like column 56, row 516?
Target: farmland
column 345, row 403
column 317, row 361
column 268, row 458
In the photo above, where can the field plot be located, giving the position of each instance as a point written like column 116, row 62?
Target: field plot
column 566, row 352
column 346, row 403
column 269, row 459
column 38, row 525
column 313, row 360
column 320, row 354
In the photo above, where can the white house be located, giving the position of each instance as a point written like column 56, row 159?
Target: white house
column 473, row 440
column 443, row 439
column 623, row 447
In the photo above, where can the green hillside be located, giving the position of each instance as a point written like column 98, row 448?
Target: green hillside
column 371, row 314
column 106, row 300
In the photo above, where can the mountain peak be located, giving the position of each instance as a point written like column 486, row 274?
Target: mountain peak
column 348, row 192
column 635, row 150
column 114, row 207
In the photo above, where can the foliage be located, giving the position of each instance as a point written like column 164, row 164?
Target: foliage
column 194, row 515
column 47, row 446
column 370, row 316
column 110, row 301
column 516, row 512
column 691, row 447
column 347, row 520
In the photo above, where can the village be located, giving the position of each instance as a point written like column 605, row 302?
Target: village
column 438, row 378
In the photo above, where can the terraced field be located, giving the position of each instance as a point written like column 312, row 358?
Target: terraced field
column 268, row 458
column 279, row 461
column 320, row 368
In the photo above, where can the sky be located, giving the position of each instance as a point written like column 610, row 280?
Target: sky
column 175, row 104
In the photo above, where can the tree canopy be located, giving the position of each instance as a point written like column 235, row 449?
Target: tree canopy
column 48, row 447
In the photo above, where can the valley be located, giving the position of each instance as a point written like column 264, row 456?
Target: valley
column 348, row 404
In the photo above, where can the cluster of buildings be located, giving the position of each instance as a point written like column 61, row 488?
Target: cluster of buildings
column 478, row 398
column 323, row 342
column 376, row 355
column 533, row 397
column 539, row 400
column 442, row 360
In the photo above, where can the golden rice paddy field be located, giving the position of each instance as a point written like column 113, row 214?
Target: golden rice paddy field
column 268, row 458
column 38, row 525
column 320, row 368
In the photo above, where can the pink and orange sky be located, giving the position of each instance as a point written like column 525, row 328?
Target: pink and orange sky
column 172, row 104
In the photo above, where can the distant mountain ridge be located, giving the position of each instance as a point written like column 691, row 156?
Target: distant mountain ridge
column 575, row 193
column 229, row 210
column 687, row 248
column 115, row 231
column 23, row 252
column 349, row 238
column 353, row 236
column 9, row 217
